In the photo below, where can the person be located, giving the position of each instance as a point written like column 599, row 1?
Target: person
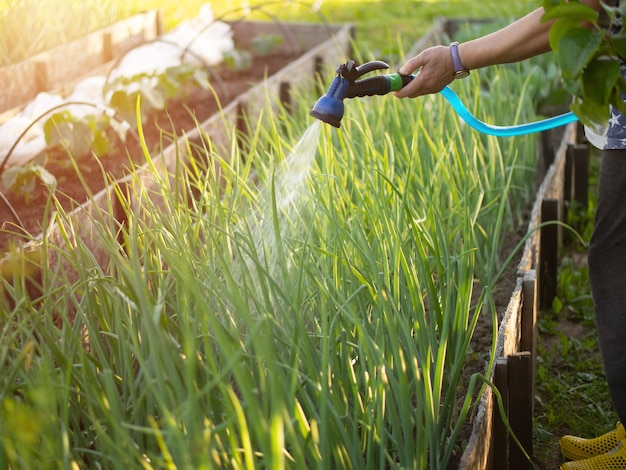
column 526, row 37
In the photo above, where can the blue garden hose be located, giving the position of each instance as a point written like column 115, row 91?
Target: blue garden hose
column 504, row 131
column 330, row 108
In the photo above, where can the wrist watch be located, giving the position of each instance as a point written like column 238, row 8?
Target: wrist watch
column 459, row 70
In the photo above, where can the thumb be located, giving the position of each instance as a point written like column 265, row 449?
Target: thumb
column 411, row 65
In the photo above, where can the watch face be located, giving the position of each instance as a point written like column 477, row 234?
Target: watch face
column 461, row 74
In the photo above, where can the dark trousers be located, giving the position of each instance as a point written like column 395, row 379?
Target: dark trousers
column 607, row 273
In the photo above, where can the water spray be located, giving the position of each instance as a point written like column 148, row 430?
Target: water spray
column 346, row 84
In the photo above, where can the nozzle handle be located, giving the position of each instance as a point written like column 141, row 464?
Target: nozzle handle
column 379, row 85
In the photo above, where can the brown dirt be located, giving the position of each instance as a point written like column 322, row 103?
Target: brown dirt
column 180, row 115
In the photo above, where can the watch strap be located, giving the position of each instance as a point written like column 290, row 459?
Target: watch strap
column 459, row 69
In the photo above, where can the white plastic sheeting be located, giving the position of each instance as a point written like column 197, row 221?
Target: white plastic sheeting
column 200, row 41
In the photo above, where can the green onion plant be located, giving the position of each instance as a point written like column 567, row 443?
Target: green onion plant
column 233, row 329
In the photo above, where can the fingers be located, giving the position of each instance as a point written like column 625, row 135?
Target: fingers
column 412, row 65
column 423, row 84
column 435, row 71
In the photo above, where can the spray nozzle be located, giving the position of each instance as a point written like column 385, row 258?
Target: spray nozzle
column 329, row 108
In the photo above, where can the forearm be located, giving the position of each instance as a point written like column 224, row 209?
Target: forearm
column 522, row 39
column 525, row 38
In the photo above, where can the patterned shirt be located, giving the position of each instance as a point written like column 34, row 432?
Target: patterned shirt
column 612, row 135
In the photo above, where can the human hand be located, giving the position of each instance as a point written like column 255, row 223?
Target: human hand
column 435, row 72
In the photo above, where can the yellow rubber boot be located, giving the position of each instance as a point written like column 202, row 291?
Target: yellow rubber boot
column 612, row 460
column 577, row 448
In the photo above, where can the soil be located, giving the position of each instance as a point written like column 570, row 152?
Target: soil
column 181, row 115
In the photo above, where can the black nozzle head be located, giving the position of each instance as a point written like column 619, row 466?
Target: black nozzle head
column 329, row 108
column 326, row 117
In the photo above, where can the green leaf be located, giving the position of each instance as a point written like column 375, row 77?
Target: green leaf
column 100, row 143
column 201, row 77
column 614, row 11
column 590, row 112
column 60, row 133
column 53, row 125
column 238, row 60
column 572, row 85
column 124, row 104
column 558, row 30
column 9, row 177
column 578, row 12
column 617, row 97
column 64, row 130
column 264, row 45
column 576, row 48
column 120, row 128
column 156, row 98
column 44, row 175
column 599, row 78
column 549, row 4
column 618, row 43
column 587, row 376
column 21, row 180
column 81, row 139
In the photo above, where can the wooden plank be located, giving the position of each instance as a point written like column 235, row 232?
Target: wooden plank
column 500, row 432
column 284, row 95
column 528, row 322
column 509, row 331
column 41, row 76
column 74, row 59
column 548, row 152
column 65, row 63
column 528, row 326
column 548, row 252
column 509, row 334
column 568, row 177
column 107, row 47
column 142, row 28
column 297, row 37
column 19, row 84
column 478, row 450
column 520, row 409
column 580, row 155
column 480, row 445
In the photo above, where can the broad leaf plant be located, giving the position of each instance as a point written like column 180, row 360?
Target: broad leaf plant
column 589, row 56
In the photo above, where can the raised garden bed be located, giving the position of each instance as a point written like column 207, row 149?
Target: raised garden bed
column 219, row 127
column 51, row 70
column 527, row 288
column 490, row 445
column 238, row 95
